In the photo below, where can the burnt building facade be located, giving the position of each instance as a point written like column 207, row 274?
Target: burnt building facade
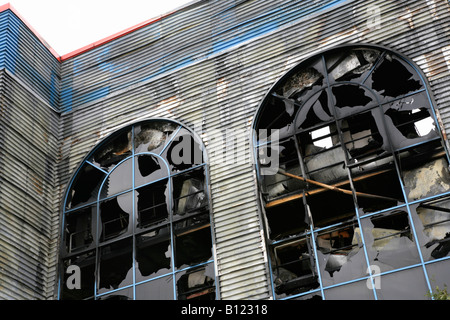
column 230, row 150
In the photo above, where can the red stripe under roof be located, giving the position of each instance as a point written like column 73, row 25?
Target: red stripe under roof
column 88, row 47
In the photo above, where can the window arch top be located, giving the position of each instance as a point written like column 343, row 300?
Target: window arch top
column 136, row 217
column 348, row 81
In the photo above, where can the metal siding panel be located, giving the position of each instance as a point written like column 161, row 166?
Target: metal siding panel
column 216, row 78
column 28, row 196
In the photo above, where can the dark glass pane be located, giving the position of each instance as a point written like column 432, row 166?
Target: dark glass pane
column 277, row 115
column 153, row 136
column 85, row 186
column 152, row 204
column 196, row 283
column 340, row 254
column 113, row 151
column 158, row 289
column 115, row 216
column 314, row 112
column 193, row 243
column 394, row 78
column 78, row 277
column 153, row 254
column 149, row 168
column 80, row 228
column 286, row 218
column 408, row 121
column 365, row 138
column 377, row 187
column 274, row 161
column 189, row 192
column 350, row 99
column 115, row 265
column 324, row 208
column 120, row 179
column 294, row 267
column 183, row 152
column 389, row 241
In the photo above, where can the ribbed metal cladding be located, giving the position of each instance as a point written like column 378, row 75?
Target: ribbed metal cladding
column 24, row 56
column 218, row 78
column 28, row 197
column 207, row 65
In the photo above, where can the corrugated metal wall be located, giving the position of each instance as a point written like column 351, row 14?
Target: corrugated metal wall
column 232, row 53
column 29, row 131
column 209, row 65
column 24, row 56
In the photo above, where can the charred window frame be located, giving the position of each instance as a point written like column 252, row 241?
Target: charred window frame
column 136, row 218
column 362, row 180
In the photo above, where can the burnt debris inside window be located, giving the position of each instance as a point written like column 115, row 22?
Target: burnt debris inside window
column 362, row 169
column 137, row 218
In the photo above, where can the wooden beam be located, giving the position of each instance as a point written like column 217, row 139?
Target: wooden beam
column 325, row 187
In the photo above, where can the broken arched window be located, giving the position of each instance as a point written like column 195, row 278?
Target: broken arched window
column 136, row 218
column 353, row 175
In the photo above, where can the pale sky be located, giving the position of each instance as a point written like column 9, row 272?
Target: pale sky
column 68, row 25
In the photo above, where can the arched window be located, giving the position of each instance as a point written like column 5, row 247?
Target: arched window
column 353, row 176
column 136, row 218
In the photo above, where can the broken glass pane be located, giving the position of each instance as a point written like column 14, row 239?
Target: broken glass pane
column 275, row 185
column 85, row 187
column 86, row 264
column 120, row 179
column 153, row 253
column 315, row 111
column 79, row 229
column 153, row 136
column 149, row 168
column 278, row 116
column 424, row 173
column 152, row 204
column 115, row 265
column 433, row 227
column 183, row 152
column 394, row 78
column 389, row 241
column 294, row 269
column 365, row 139
column 158, row 289
column 359, row 290
column 196, row 283
column 193, row 245
column 351, row 65
column 408, row 284
column 408, row 121
column 340, row 255
column 116, row 149
column 115, row 216
column 189, row 192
